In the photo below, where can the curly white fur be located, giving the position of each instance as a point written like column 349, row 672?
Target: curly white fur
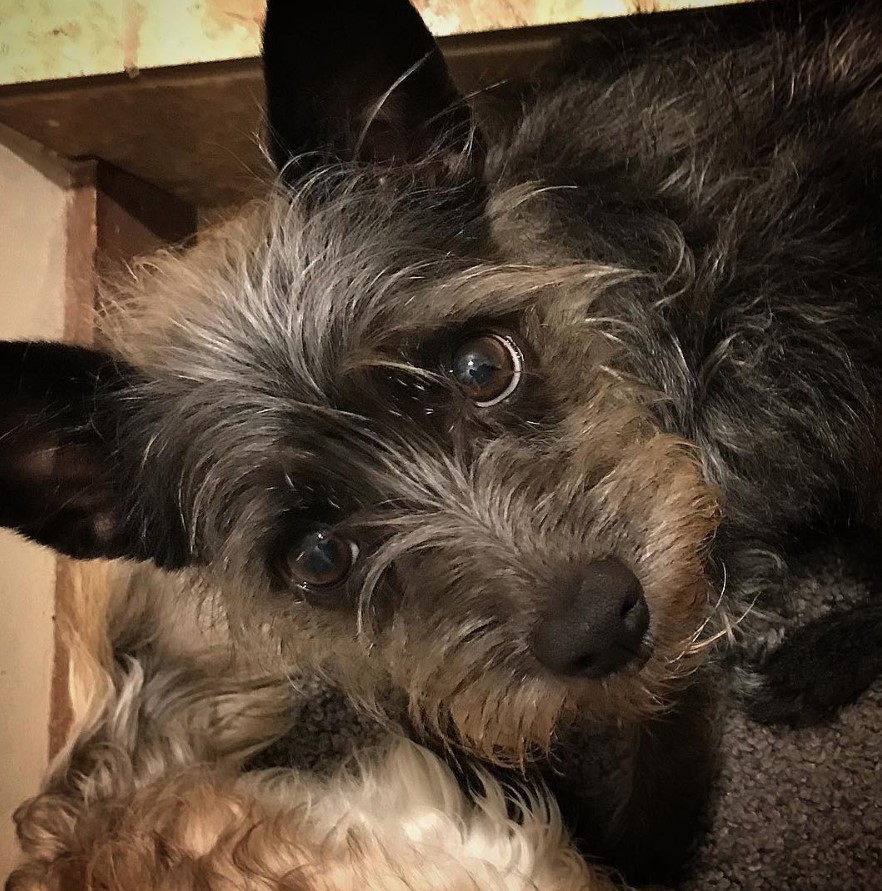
column 150, row 794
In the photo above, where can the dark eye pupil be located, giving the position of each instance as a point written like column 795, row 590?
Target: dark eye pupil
column 321, row 558
column 475, row 368
column 487, row 367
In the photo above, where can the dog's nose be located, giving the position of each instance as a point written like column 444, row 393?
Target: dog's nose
column 597, row 627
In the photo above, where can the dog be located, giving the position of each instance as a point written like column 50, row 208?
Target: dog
column 151, row 793
column 511, row 425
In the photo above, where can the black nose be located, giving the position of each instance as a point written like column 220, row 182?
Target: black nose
column 596, row 627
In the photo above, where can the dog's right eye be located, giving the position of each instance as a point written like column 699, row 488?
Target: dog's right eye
column 320, row 561
column 488, row 367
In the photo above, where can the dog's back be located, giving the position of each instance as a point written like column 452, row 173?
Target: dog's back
column 734, row 159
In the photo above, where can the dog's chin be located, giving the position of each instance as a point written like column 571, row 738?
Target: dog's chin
column 520, row 720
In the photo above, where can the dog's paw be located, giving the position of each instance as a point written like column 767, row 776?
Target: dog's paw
column 817, row 669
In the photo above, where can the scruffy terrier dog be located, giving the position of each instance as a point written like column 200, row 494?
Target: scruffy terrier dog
column 460, row 416
column 150, row 794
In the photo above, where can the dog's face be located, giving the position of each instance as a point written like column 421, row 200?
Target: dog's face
column 402, row 455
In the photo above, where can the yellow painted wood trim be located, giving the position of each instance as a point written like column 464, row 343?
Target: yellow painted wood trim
column 78, row 38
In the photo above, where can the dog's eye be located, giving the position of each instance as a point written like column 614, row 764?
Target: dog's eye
column 488, row 367
column 321, row 559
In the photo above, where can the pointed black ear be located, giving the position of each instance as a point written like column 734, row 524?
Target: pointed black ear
column 362, row 80
column 65, row 478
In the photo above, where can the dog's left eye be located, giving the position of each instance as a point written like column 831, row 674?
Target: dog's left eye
column 488, row 367
column 321, row 559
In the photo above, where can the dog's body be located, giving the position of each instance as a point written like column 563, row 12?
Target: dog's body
column 457, row 419
column 150, row 793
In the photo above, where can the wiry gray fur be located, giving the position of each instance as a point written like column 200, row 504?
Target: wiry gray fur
column 681, row 234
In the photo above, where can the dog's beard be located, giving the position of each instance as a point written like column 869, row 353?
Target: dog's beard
column 512, row 717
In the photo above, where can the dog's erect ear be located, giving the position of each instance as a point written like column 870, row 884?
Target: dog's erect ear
column 65, row 480
column 362, row 80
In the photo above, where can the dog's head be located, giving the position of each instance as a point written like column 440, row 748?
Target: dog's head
column 405, row 455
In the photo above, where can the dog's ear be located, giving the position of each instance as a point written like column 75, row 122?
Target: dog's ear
column 362, row 80
column 65, row 478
